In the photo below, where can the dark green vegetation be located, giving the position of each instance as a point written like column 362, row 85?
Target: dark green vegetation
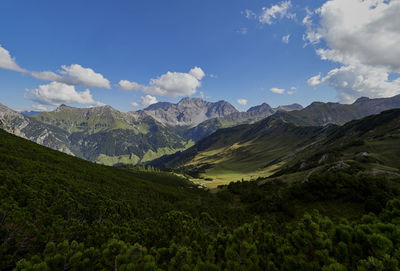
column 58, row 212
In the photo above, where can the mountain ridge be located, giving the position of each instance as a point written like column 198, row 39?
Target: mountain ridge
column 106, row 135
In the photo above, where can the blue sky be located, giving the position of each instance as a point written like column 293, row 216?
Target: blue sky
column 242, row 57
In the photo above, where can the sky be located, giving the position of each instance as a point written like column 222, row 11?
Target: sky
column 130, row 54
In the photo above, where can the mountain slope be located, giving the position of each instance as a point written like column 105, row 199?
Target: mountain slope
column 46, row 195
column 108, row 136
column 242, row 152
column 371, row 143
column 29, row 128
column 274, row 145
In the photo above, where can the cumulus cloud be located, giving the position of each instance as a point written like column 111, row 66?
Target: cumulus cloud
column 127, row 85
column 75, row 75
column 277, row 90
column 279, row 11
column 7, row 62
column 293, row 88
column 148, row 100
column 171, row 84
column 363, row 37
column 285, row 39
column 242, row 101
column 197, row 73
column 134, row 104
column 57, row 93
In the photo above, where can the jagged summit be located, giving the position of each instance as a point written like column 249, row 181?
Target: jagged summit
column 188, row 111
column 62, row 107
column 264, row 107
column 362, row 99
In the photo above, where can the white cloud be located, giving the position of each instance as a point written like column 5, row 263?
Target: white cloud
column 197, row 73
column 363, row 37
column 290, row 92
column 279, row 11
column 46, row 76
column 39, row 107
column 277, row 90
column 75, row 75
column 57, row 93
column 127, row 85
column 148, row 100
column 7, row 62
column 314, row 81
column 293, row 88
column 171, row 84
column 285, row 39
column 134, row 104
column 242, row 101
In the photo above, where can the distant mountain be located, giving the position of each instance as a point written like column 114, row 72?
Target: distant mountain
column 189, row 111
column 108, row 136
column 210, row 126
column 319, row 113
column 252, row 115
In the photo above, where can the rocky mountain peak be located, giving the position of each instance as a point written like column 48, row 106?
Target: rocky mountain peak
column 62, row 107
column 262, row 108
column 188, row 111
column 361, row 99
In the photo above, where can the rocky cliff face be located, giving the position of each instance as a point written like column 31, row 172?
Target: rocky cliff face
column 189, row 111
column 12, row 122
column 26, row 127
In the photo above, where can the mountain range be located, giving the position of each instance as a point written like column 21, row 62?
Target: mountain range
column 108, row 136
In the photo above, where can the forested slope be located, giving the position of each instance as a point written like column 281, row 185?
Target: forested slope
column 58, row 212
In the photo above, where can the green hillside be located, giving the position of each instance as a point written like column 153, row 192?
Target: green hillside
column 276, row 147
column 107, row 136
column 63, row 213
